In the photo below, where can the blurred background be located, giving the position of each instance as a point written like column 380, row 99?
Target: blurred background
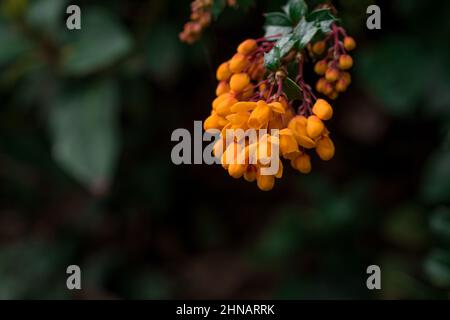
column 86, row 176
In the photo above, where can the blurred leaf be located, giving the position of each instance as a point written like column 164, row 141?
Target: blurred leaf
column 436, row 178
column 164, row 53
column 101, row 42
column 292, row 89
column 47, row 14
column 440, row 223
column 387, row 73
column 245, row 3
column 406, row 226
column 148, row 284
column 27, row 266
column 281, row 239
column 277, row 19
column 84, row 130
column 296, row 9
column 14, row 8
column 13, row 43
column 397, row 280
column 437, row 267
column 218, row 7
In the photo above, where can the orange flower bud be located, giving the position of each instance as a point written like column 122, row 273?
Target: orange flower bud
column 224, row 108
column 298, row 127
column 219, row 100
column 302, row 164
column 288, row 144
column 345, row 62
column 321, row 67
column 265, row 183
column 345, row 76
column 276, row 123
column 320, row 86
column 260, row 117
column 248, row 91
column 247, row 47
column 306, row 142
column 341, row 85
column 239, row 63
column 277, row 107
column 327, row 89
column 333, row 95
column 238, row 120
column 332, row 75
column 325, row 148
column 314, row 127
column 223, row 72
column 243, row 106
column 349, row 43
column 322, row 109
column 213, row 122
column 237, row 170
column 222, row 88
column 250, row 173
column 239, row 82
column 319, row 47
column 279, row 174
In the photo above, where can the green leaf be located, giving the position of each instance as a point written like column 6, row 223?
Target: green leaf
column 277, row 30
column 322, row 19
column 218, row 7
column 13, row 43
column 163, row 64
column 320, row 15
column 282, row 47
column 101, row 42
column 386, row 74
column 272, row 60
column 292, row 89
column 440, row 223
column 296, row 9
column 277, row 19
column 245, row 3
column 84, row 131
column 285, row 44
column 46, row 15
column 436, row 183
column 280, row 241
column 405, row 226
column 303, row 33
column 437, row 267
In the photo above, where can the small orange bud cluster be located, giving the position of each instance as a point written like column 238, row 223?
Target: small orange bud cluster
column 310, row 133
column 249, row 99
column 333, row 68
column 201, row 16
column 200, row 19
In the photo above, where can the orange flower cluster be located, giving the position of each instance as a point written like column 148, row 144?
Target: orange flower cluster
column 200, row 19
column 333, row 67
column 247, row 99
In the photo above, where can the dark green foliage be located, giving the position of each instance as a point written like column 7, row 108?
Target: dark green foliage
column 86, row 178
